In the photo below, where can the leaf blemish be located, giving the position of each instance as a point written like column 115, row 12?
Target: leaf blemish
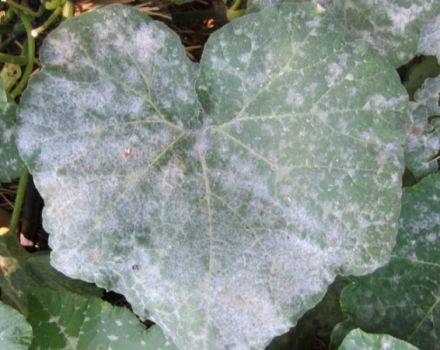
column 127, row 153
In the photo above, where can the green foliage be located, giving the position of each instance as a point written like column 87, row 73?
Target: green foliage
column 15, row 332
column 315, row 327
column 22, row 272
column 423, row 143
column 62, row 320
column 401, row 298
column 359, row 340
column 397, row 29
column 10, row 162
column 137, row 170
column 223, row 198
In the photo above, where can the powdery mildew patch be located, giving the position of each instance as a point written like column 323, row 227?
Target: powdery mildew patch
column 402, row 297
column 9, row 158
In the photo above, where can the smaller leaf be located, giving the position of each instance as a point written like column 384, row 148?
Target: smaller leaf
column 424, row 135
column 10, row 162
column 63, row 320
column 359, row 340
column 339, row 332
column 21, row 271
column 402, row 298
column 15, row 332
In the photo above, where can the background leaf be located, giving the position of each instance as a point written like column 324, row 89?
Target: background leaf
column 62, row 320
column 21, row 272
column 10, row 161
column 220, row 203
column 402, row 298
column 423, row 146
column 15, row 332
column 357, row 339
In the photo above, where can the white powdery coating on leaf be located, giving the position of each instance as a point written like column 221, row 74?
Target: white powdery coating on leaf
column 225, row 231
column 402, row 16
column 9, row 158
column 391, row 27
column 429, row 42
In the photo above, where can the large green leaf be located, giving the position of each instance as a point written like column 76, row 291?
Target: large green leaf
column 67, row 321
column 423, row 147
column 392, row 27
column 15, row 332
column 222, row 220
column 402, row 298
column 10, row 163
column 359, row 340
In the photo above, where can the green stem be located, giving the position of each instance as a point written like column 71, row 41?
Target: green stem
column 68, row 9
column 19, row 200
column 6, row 58
column 24, row 9
column 235, row 5
column 30, row 56
column 53, row 16
column 51, row 5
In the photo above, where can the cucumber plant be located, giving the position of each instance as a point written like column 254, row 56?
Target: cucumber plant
column 222, row 198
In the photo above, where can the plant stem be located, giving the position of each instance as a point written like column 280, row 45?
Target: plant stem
column 6, row 58
column 24, row 9
column 235, row 5
column 30, row 55
column 51, row 5
column 53, row 16
column 19, row 200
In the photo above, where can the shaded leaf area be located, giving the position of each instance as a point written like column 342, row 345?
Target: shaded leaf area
column 15, row 332
column 392, row 27
column 313, row 330
column 417, row 71
column 359, row 340
column 11, row 164
column 422, row 150
column 63, row 320
column 21, row 272
column 402, row 298
column 137, row 179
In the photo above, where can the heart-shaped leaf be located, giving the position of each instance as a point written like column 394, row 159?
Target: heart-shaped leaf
column 222, row 220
